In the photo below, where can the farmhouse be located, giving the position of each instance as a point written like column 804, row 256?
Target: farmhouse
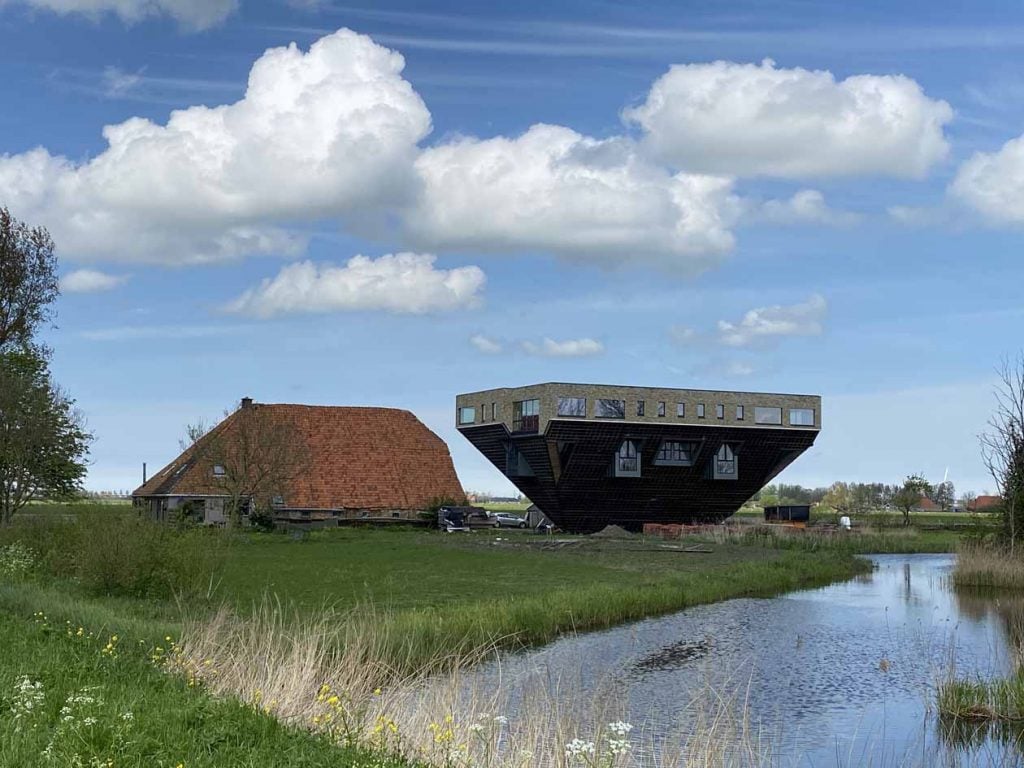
column 307, row 464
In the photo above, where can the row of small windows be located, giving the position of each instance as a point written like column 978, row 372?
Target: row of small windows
column 576, row 407
column 676, row 453
column 526, row 413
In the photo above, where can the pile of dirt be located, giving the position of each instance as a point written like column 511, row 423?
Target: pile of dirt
column 613, row 532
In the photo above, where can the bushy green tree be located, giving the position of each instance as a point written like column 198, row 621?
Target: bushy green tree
column 43, row 443
column 28, row 281
column 914, row 488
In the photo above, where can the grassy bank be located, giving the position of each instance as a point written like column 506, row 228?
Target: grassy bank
column 72, row 698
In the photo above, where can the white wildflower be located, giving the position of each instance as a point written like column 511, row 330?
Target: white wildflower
column 578, row 748
column 620, row 728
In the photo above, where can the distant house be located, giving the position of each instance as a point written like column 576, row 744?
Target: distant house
column 357, row 463
column 925, row 504
column 985, row 504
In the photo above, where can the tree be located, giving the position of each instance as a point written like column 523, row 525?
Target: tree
column 28, row 281
column 945, row 495
column 43, row 443
column 252, row 457
column 838, row 497
column 914, row 488
column 1002, row 447
column 967, row 501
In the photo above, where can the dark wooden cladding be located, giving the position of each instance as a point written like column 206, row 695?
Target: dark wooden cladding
column 573, row 483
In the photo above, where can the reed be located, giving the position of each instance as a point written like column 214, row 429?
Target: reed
column 334, row 675
column 988, row 567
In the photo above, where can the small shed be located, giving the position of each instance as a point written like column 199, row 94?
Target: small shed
column 789, row 513
column 535, row 518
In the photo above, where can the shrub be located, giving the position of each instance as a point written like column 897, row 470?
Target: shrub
column 121, row 553
column 17, row 561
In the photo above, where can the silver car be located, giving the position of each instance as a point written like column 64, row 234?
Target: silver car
column 508, row 520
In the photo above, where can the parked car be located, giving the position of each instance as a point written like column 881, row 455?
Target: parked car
column 508, row 520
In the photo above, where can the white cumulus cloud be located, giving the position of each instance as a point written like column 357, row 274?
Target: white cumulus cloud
column 771, row 323
column 568, row 348
column 407, row 283
column 90, row 281
column 327, row 133
column 195, row 14
column 760, row 120
column 992, row 183
column 807, row 206
column 553, row 189
column 485, row 344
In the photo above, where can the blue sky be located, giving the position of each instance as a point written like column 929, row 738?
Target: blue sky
column 582, row 191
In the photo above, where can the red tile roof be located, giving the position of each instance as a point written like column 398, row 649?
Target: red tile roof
column 982, row 503
column 359, row 458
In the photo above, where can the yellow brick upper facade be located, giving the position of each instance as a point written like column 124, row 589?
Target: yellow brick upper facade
column 605, row 402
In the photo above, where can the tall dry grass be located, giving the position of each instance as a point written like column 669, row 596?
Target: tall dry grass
column 336, row 675
column 988, row 567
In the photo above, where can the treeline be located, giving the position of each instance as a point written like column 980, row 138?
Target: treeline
column 864, row 497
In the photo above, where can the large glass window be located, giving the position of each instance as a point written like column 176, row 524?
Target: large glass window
column 676, row 453
column 526, row 416
column 572, row 406
column 467, row 415
column 700, row 410
column 627, row 459
column 801, row 417
column 517, row 465
column 681, row 410
column 763, row 415
column 610, row 409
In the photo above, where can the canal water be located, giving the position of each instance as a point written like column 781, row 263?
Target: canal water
column 842, row 675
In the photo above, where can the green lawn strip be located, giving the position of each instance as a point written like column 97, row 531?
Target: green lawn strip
column 169, row 723
column 440, row 595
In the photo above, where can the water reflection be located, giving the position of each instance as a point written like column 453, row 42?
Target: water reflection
column 842, row 675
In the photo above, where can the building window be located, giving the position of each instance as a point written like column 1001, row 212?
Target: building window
column 483, row 412
column 700, row 410
column 725, row 463
column 764, row 415
column 494, row 411
column 572, row 406
column 218, row 470
column 526, row 416
column 719, row 411
column 801, row 417
column 516, row 464
column 676, row 453
column 627, row 460
column 610, row 409
column 467, row 415
column 681, row 410
column 739, row 413
column 639, row 407
column 661, row 408
column 277, row 501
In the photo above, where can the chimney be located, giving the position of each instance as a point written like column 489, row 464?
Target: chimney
column 143, row 473
column 246, row 402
